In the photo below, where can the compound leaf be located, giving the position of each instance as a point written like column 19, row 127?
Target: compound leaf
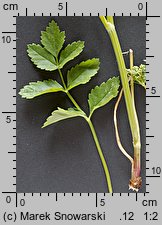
column 41, row 57
column 82, row 73
column 34, row 89
column 62, row 114
column 102, row 94
column 52, row 39
column 70, row 52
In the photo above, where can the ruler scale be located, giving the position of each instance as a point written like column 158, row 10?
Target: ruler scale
column 85, row 208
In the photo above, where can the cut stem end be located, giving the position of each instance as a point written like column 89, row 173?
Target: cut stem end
column 135, row 183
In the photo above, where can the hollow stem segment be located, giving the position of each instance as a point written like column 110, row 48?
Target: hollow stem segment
column 103, row 161
column 135, row 181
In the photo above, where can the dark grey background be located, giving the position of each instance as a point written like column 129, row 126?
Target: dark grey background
column 63, row 156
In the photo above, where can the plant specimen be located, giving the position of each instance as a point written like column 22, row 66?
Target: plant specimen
column 51, row 56
column 128, row 77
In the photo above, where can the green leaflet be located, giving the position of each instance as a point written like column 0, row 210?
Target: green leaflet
column 82, row 73
column 102, row 94
column 41, row 57
column 52, row 39
column 70, row 52
column 62, row 114
column 139, row 74
column 34, row 89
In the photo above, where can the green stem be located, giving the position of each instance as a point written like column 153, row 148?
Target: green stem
column 60, row 73
column 131, row 67
column 102, row 158
column 122, row 69
column 68, row 93
column 62, row 79
column 132, row 115
column 110, row 19
column 103, row 161
column 73, row 101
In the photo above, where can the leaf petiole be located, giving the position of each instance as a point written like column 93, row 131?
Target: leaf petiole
column 102, row 158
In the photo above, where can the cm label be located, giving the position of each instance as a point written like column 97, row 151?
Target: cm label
column 10, row 7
